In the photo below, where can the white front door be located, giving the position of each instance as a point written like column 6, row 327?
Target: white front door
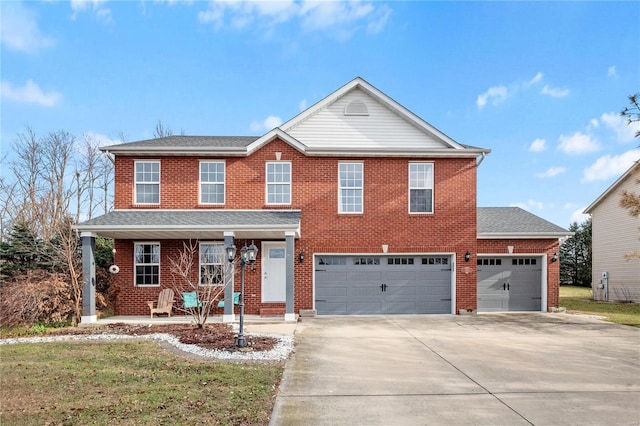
column 274, row 272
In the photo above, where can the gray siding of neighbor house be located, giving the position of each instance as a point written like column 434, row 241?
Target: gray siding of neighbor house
column 616, row 234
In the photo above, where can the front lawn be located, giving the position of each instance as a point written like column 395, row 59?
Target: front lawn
column 129, row 383
column 580, row 300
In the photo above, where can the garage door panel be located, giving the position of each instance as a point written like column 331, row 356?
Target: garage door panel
column 509, row 284
column 364, row 308
column 398, row 275
column 365, row 276
column 400, row 307
column 392, row 285
column 334, row 308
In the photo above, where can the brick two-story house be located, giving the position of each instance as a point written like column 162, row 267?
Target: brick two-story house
column 357, row 206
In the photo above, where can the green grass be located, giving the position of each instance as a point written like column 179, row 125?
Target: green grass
column 129, row 383
column 580, row 299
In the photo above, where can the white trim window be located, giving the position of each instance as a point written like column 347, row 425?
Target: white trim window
column 146, row 264
column 350, row 187
column 420, row 187
column 278, row 182
column 147, row 178
column 212, row 257
column 212, row 175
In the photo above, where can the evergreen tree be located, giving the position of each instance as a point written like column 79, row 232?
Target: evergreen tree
column 575, row 256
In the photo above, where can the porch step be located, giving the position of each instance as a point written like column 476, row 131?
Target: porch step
column 272, row 312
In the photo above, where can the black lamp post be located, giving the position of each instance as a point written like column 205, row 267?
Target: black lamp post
column 247, row 256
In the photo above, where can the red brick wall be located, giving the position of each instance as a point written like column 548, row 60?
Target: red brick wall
column 451, row 228
column 540, row 246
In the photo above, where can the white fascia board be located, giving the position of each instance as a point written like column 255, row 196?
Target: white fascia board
column 393, row 152
column 613, row 186
column 273, row 134
column 523, row 235
column 183, row 151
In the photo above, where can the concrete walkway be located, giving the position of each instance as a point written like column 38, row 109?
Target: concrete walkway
column 252, row 323
column 503, row 369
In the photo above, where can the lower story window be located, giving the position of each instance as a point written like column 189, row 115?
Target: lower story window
column 147, row 264
column 211, row 264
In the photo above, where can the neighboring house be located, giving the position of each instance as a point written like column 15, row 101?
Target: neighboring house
column 615, row 235
column 357, row 206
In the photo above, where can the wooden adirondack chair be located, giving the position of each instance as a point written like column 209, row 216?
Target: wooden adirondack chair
column 165, row 303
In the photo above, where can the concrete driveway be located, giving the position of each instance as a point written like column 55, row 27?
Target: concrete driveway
column 502, row 369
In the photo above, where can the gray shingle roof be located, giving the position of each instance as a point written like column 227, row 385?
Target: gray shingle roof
column 202, row 218
column 177, row 142
column 516, row 221
column 179, row 224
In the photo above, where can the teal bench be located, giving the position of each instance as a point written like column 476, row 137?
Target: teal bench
column 236, row 300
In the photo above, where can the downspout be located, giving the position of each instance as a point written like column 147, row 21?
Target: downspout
column 481, row 159
column 110, row 156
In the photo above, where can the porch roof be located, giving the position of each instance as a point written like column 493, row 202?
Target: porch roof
column 194, row 224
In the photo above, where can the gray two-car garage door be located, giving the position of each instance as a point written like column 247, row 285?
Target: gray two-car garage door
column 365, row 285
column 509, row 284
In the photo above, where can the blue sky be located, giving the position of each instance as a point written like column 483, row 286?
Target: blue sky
column 541, row 84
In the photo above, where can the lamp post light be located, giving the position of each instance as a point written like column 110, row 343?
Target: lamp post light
column 247, row 256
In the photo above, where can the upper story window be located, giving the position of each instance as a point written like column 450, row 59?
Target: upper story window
column 212, row 264
column 350, row 187
column 279, row 182
column 212, row 182
column 147, row 182
column 420, row 187
column 147, row 264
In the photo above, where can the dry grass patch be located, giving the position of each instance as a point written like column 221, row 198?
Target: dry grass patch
column 580, row 300
column 129, row 383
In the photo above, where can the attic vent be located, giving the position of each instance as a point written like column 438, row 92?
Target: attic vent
column 356, row 108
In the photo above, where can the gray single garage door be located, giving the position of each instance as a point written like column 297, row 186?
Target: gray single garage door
column 509, row 284
column 365, row 285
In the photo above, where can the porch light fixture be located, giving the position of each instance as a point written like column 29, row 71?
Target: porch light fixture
column 301, row 257
column 554, row 258
column 467, row 256
column 248, row 255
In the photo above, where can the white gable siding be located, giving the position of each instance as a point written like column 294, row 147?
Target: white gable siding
column 382, row 128
column 614, row 234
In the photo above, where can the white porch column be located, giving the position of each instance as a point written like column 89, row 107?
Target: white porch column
column 88, row 278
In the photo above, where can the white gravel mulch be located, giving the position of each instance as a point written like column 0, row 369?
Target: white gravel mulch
column 280, row 352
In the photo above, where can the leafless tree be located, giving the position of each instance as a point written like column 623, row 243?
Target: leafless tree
column 208, row 282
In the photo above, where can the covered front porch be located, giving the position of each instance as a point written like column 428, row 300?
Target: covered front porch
column 226, row 227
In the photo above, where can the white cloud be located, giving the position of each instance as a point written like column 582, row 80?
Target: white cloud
column 551, row 172
column 611, row 71
column 103, row 14
column 537, row 78
column 538, row 145
column 103, row 140
column 30, row 93
column 609, row 166
column 19, row 29
column 578, row 143
column 578, row 216
column 554, row 92
column 337, row 19
column 625, row 131
column 269, row 123
column 528, row 205
column 377, row 25
column 302, row 105
column 496, row 95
